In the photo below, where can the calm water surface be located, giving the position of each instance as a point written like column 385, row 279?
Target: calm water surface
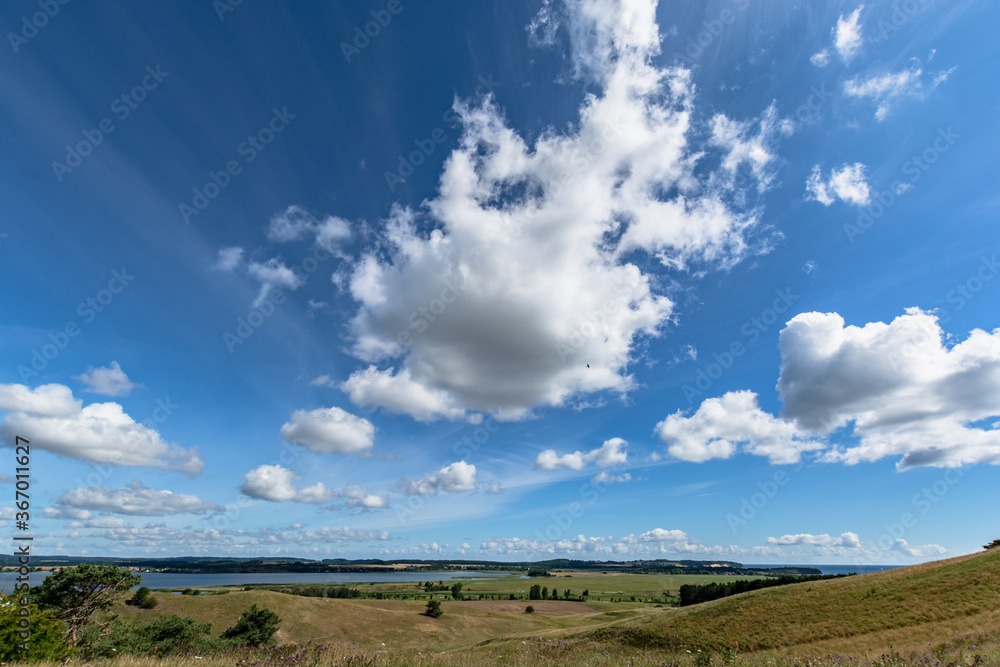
column 163, row 580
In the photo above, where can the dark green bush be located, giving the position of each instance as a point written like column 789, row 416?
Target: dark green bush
column 47, row 640
column 433, row 609
column 256, row 627
column 165, row 635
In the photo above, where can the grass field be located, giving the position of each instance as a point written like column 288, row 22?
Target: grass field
column 936, row 614
column 646, row 588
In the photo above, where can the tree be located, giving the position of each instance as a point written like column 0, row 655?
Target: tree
column 566, row 594
column 555, row 593
column 456, row 591
column 545, row 592
column 529, row 609
column 535, row 592
column 586, row 592
column 992, row 545
column 46, row 638
column 433, row 609
column 74, row 594
column 256, row 627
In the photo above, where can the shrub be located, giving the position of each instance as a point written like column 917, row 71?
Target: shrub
column 529, row 609
column 47, row 633
column 187, row 591
column 433, row 609
column 139, row 597
column 256, row 627
column 150, row 602
column 165, row 635
column 174, row 634
column 992, row 545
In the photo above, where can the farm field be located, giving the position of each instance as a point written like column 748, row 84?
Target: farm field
column 620, row 588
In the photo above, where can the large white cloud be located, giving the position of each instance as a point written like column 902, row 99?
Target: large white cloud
column 518, row 274
column 330, row 431
column 47, row 400
column 278, row 484
column 99, row 432
column 612, row 452
column 136, row 499
column 907, row 393
column 898, row 388
column 721, row 425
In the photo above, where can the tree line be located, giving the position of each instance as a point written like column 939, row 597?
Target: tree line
column 698, row 593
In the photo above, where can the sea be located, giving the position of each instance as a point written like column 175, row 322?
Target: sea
column 832, row 569
column 165, row 580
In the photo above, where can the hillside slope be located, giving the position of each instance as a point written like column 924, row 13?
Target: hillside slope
column 373, row 624
column 911, row 606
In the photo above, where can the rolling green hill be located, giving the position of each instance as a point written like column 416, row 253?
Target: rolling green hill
column 944, row 612
column 906, row 607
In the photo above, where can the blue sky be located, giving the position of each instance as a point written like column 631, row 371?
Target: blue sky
column 603, row 279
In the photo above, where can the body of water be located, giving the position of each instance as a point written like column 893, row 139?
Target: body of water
column 835, row 569
column 165, row 580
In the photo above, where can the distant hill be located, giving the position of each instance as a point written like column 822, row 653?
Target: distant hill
column 220, row 565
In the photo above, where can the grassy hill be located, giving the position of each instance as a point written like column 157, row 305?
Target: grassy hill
column 374, row 624
column 906, row 607
column 944, row 612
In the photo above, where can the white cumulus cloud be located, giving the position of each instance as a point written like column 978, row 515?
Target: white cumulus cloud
column 330, row 431
column 612, row 452
column 723, row 425
column 99, row 432
column 512, row 329
column 898, row 389
column 278, row 484
column 454, row 478
column 107, row 381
